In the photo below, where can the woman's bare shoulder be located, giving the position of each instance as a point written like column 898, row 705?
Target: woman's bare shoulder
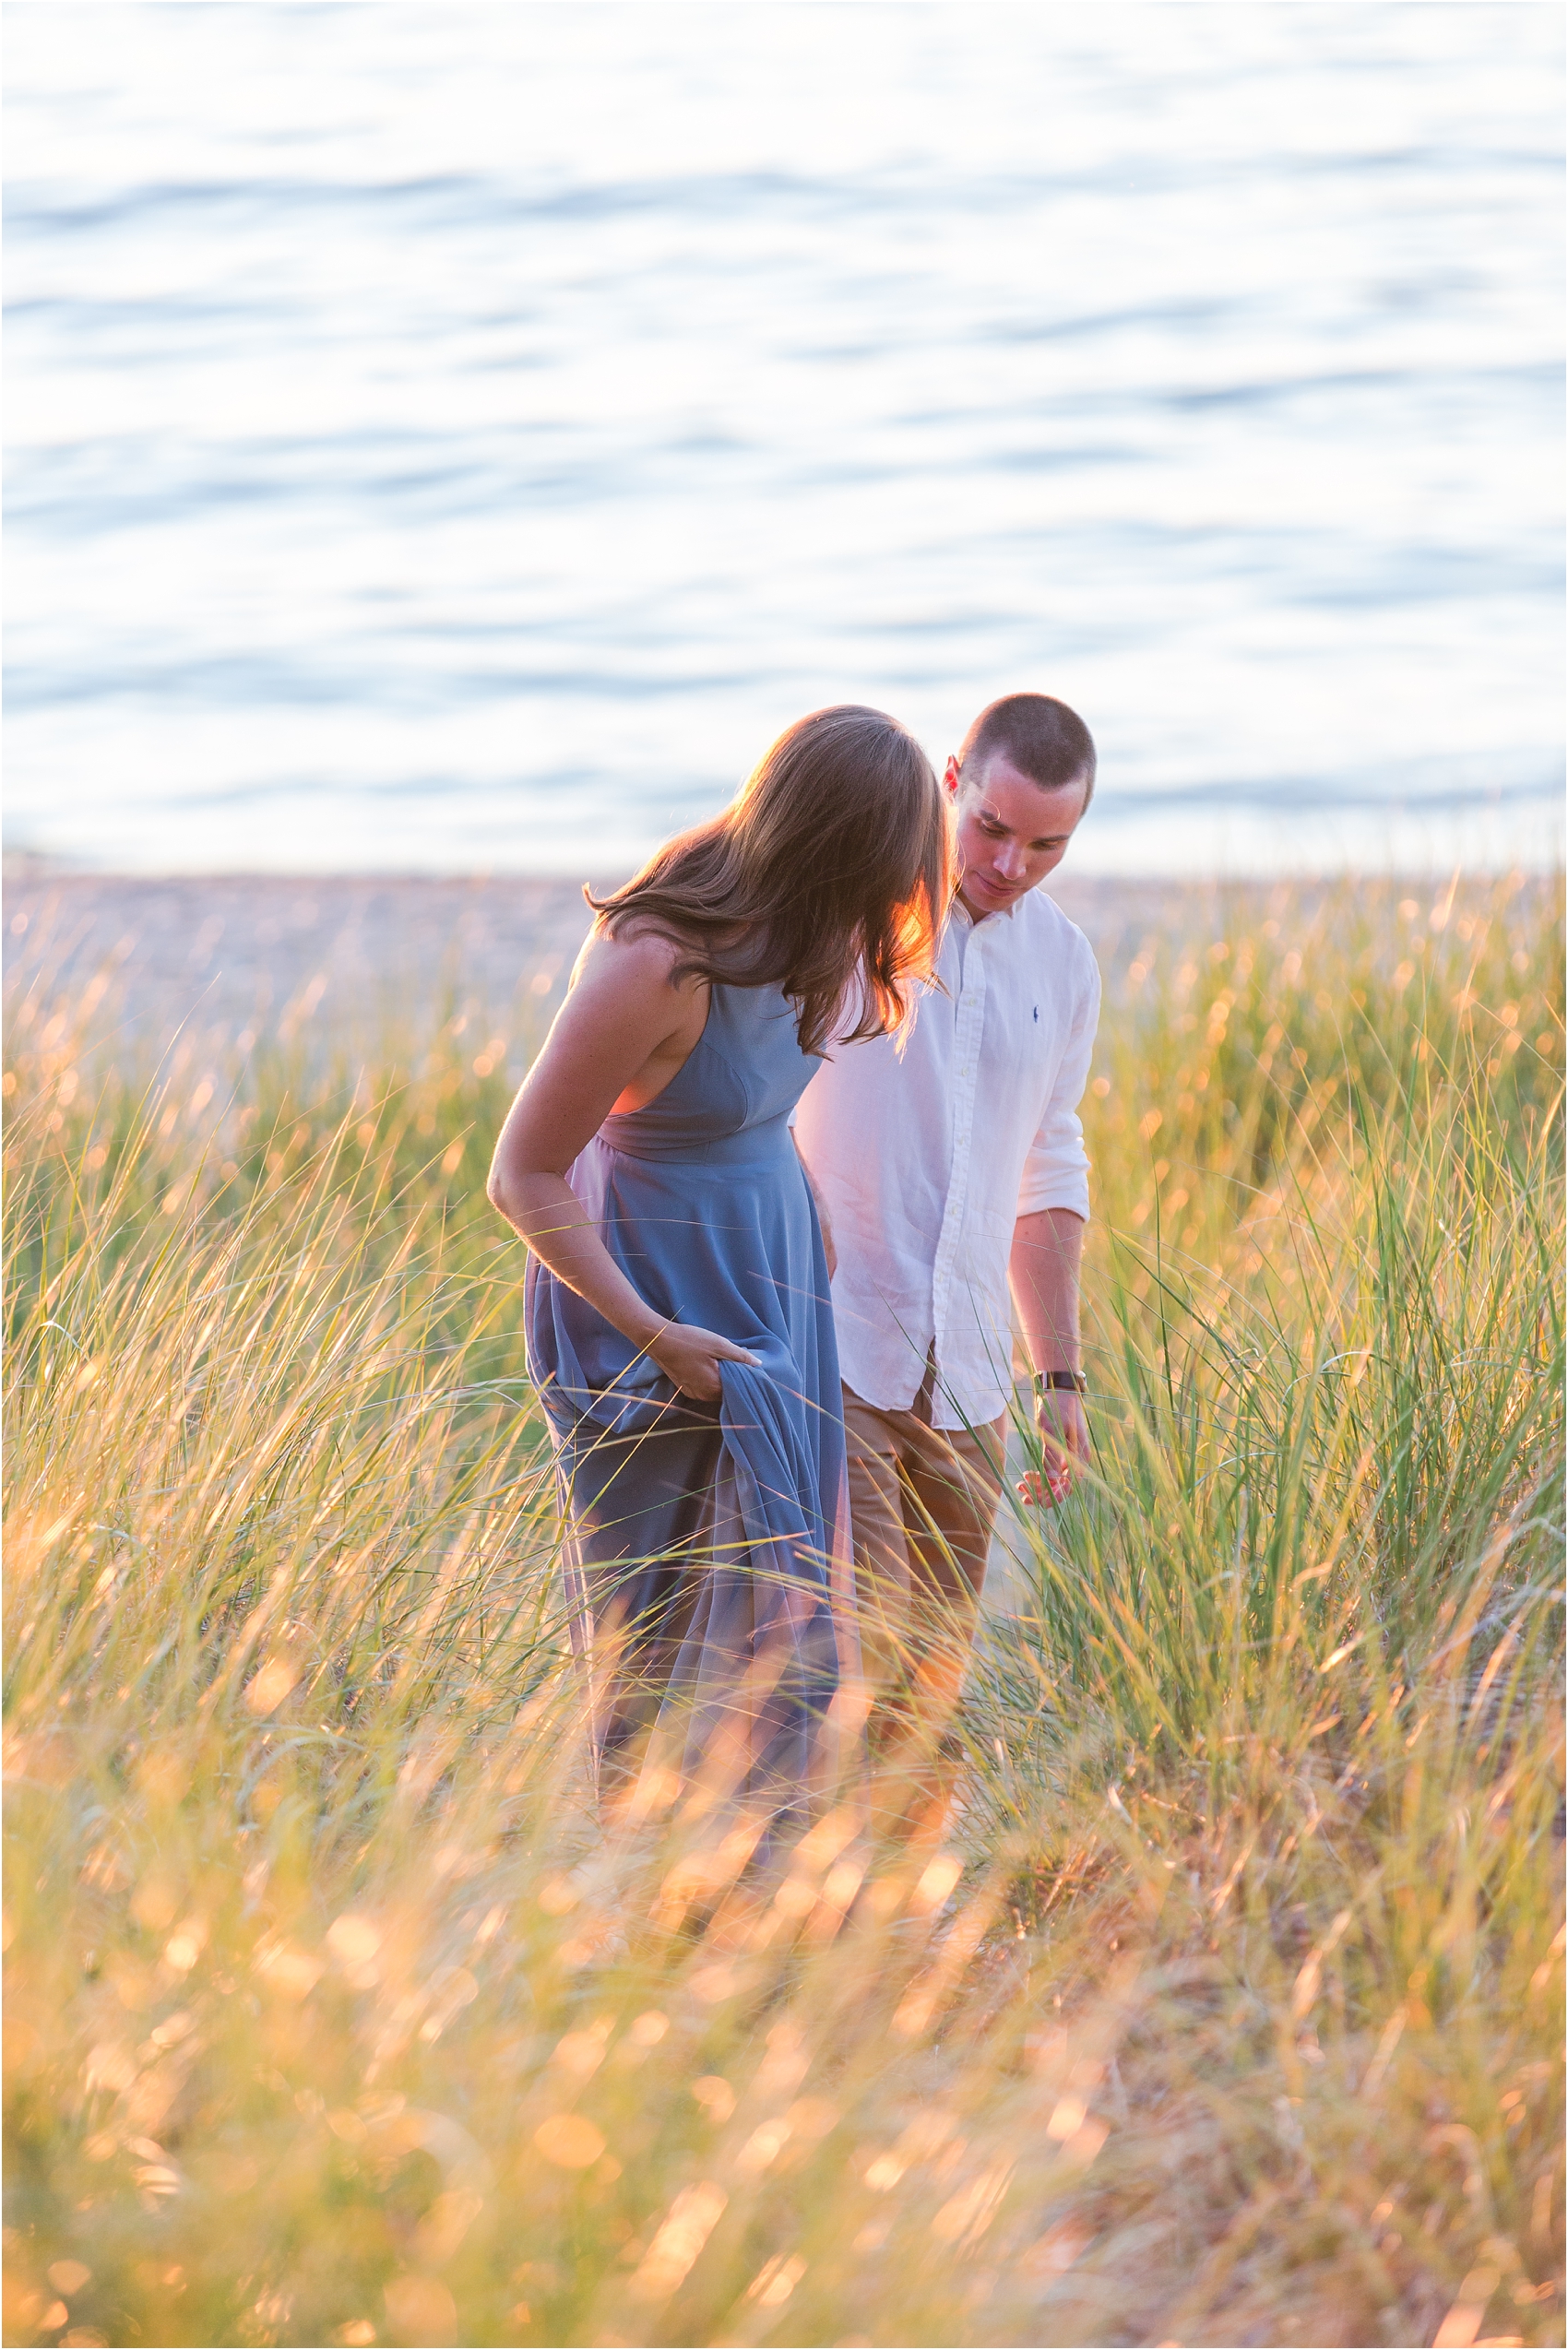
column 635, row 956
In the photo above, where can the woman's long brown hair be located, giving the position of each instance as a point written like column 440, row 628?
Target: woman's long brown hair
column 828, row 877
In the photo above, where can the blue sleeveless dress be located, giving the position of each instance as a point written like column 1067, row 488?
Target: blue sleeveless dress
column 708, row 1547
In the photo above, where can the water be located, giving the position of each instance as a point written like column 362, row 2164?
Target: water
column 457, row 438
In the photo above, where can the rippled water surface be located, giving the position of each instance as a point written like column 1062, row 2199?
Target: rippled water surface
column 454, row 437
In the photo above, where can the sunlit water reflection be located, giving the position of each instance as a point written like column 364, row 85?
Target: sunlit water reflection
column 454, row 437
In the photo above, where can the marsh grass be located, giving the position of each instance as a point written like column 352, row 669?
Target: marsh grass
column 1230, row 2008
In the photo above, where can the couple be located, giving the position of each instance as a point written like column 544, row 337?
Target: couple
column 771, row 1460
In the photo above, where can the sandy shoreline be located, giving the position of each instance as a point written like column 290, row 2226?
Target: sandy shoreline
column 242, row 949
column 234, row 952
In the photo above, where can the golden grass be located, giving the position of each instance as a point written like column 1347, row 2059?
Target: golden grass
column 1233, row 2012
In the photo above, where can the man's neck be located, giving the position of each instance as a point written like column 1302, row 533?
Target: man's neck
column 979, row 914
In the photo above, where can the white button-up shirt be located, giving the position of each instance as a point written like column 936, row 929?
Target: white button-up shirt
column 926, row 1160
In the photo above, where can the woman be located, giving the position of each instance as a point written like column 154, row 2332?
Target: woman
column 679, row 1324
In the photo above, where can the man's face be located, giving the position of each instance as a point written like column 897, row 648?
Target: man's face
column 1011, row 831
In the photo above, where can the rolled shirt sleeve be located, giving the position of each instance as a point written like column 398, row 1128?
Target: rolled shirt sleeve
column 1056, row 1171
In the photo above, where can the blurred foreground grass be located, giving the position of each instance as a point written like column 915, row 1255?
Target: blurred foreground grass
column 1232, row 2014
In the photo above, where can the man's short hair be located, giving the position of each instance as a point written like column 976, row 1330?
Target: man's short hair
column 1039, row 736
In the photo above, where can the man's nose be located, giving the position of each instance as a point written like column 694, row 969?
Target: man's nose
column 1009, row 859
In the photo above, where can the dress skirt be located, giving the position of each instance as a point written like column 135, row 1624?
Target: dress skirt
column 708, row 1554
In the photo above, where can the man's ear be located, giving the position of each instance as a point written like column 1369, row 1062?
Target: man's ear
column 950, row 773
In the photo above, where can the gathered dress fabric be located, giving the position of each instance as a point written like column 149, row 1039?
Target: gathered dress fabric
column 708, row 1555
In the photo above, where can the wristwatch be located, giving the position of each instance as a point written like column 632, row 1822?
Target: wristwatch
column 1074, row 1378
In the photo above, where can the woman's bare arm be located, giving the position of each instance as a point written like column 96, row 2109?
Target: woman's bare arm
column 620, row 1037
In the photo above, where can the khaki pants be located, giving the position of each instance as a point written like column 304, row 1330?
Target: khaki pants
column 923, row 1502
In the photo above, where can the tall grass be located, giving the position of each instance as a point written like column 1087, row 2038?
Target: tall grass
column 1232, row 2011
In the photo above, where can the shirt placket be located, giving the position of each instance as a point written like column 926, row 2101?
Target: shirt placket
column 969, row 1024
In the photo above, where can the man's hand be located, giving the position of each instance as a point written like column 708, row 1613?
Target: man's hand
column 1064, row 1437
column 829, row 1250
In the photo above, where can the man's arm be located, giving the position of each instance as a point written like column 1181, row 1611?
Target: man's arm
column 1047, row 1250
column 823, row 1218
column 1048, row 1240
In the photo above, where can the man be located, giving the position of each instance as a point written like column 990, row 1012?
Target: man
column 947, row 1175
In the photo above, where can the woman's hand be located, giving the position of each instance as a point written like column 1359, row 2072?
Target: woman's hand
column 690, row 1358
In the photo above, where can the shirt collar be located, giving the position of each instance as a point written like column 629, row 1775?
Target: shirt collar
column 960, row 912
